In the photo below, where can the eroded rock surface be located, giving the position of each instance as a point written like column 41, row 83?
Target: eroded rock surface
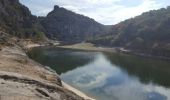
column 24, row 79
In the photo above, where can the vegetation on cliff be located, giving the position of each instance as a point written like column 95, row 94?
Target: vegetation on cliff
column 147, row 33
column 69, row 27
column 17, row 20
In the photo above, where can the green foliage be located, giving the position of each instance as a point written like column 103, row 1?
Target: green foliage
column 39, row 35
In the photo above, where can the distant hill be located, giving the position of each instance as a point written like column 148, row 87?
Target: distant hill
column 69, row 27
column 149, row 32
column 16, row 19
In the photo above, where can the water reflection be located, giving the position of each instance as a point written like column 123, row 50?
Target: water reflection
column 147, row 70
column 108, row 76
column 107, row 81
column 61, row 60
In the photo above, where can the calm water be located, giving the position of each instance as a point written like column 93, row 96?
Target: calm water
column 109, row 76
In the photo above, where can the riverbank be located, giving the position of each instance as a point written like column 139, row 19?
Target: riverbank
column 88, row 47
column 29, row 46
column 24, row 79
column 92, row 47
column 142, row 54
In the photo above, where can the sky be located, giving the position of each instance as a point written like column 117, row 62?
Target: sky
column 107, row 12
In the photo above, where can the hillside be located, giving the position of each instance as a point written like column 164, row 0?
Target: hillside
column 69, row 27
column 147, row 33
column 60, row 24
column 16, row 19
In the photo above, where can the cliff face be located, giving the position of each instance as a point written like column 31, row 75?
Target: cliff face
column 69, row 27
column 17, row 20
column 60, row 24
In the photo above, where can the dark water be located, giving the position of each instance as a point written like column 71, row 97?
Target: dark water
column 109, row 76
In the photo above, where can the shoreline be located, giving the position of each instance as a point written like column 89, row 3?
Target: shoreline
column 139, row 54
column 78, row 92
column 87, row 47
column 91, row 47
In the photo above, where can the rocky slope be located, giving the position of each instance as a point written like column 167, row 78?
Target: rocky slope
column 148, row 33
column 23, row 79
column 16, row 19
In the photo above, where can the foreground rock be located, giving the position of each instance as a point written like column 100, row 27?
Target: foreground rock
column 23, row 79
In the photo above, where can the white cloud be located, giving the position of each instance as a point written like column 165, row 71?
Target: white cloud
column 94, row 78
column 103, row 11
column 42, row 11
column 129, row 12
column 108, row 11
column 100, row 70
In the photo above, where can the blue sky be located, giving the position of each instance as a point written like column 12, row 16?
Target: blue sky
column 107, row 12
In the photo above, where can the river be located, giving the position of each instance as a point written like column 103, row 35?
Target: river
column 108, row 76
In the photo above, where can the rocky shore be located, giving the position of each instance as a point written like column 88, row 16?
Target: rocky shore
column 24, row 79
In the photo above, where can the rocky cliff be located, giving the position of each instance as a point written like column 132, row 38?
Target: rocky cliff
column 69, row 27
column 16, row 19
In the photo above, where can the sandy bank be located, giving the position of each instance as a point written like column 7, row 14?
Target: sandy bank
column 87, row 46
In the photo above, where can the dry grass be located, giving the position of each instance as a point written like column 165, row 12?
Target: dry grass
column 88, row 47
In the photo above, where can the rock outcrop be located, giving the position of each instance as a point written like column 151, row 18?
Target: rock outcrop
column 69, row 27
column 24, row 79
column 16, row 19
